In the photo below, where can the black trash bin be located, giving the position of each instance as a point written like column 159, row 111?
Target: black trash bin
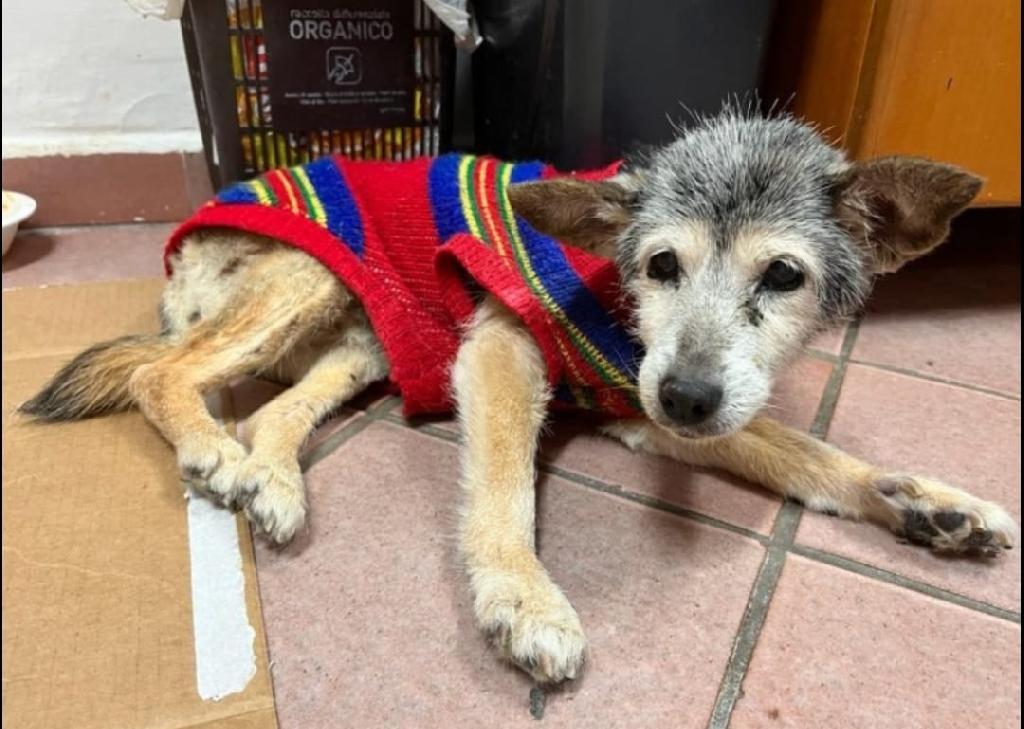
column 577, row 82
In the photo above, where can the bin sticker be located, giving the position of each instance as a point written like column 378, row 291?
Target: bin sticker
column 340, row 67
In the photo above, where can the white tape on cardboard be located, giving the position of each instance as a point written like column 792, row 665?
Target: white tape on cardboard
column 225, row 656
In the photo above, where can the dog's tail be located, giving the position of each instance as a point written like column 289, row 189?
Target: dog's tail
column 96, row 381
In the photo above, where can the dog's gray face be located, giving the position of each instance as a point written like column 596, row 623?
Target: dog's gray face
column 733, row 259
column 739, row 241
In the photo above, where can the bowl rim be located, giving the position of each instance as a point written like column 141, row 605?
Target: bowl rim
column 26, row 208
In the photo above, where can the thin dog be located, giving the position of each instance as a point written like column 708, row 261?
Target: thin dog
column 664, row 294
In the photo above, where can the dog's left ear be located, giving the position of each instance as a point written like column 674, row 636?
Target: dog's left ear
column 587, row 214
column 900, row 208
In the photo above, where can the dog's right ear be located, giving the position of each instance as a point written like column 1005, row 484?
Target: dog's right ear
column 899, row 208
column 583, row 213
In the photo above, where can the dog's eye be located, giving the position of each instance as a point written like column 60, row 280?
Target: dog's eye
column 663, row 266
column 782, row 276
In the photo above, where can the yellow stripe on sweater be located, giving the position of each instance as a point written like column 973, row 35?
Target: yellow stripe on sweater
column 318, row 213
column 467, row 205
column 262, row 193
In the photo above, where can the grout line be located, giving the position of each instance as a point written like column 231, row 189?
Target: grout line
column 385, row 405
column 650, row 501
column 936, row 378
column 423, row 427
column 893, row 578
column 820, row 354
column 761, row 593
column 830, row 393
column 849, row 340
column 783, row 535
column 328, row 446
column 377, row 411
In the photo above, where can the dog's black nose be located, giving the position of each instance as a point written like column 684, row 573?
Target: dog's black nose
column 689, row 402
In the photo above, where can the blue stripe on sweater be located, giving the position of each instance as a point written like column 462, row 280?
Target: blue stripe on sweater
column 240, row 192
column 571, row 293
column 343, row 219
column 443, row 186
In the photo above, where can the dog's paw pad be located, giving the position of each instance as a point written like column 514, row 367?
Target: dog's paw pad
column 946, row 519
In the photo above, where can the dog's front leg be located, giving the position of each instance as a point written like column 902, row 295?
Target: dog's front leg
column 502, row 395
column 826, row 479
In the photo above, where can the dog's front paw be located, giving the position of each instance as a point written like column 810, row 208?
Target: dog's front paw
column 945, row 518
column 531, row 624
column 204, row 462
column 274, row 497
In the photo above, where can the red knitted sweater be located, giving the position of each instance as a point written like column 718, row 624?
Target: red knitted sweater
column 416, row 240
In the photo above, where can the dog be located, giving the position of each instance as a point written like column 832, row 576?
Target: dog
column 713, row 260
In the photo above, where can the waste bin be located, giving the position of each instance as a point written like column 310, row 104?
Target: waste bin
column 282, row 82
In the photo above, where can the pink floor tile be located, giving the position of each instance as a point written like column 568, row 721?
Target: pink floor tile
column 575, row 447
column 967, row 438
column 838, row 650
column 798, row 392
column 74, row 255
column 954, row 316
column 369, row 623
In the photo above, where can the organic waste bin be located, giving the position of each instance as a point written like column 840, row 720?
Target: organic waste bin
column 282, row 82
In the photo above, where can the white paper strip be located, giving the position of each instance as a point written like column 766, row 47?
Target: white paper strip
column 225, row 657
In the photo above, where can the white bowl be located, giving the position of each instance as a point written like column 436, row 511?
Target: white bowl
column 17, row 209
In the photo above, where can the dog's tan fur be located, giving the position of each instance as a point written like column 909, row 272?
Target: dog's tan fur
column 240, row 305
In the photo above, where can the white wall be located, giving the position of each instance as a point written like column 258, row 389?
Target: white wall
column 87, row 76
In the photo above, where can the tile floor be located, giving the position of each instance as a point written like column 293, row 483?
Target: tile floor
column 707, row 602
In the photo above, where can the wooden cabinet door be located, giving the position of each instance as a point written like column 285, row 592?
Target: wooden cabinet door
column 937, row 78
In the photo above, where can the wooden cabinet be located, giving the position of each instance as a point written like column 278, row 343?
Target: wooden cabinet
column 936, row 78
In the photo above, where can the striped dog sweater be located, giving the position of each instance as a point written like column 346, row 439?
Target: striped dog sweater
column 417, row 241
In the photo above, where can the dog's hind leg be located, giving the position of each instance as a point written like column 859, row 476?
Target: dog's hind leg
column 826, row 479
column 502, row 393
column 269, row 481
column 276, row 308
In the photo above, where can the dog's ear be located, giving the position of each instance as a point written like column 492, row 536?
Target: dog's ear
column 587, row 214
column 900, row 208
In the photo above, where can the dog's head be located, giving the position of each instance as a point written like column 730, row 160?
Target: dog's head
column 739, row 241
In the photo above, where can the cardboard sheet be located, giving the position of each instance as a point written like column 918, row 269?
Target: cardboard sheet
column 97, row 608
